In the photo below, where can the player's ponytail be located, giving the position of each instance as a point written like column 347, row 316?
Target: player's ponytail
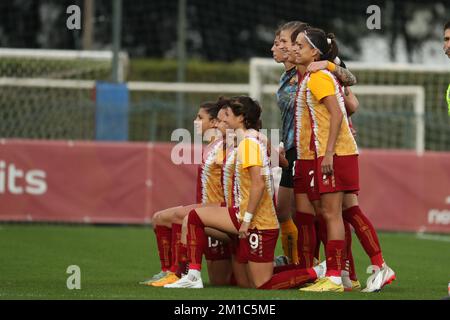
column 333, row 48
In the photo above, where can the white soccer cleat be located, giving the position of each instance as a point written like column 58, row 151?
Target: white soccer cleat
column 379, row 278
column 186, row 282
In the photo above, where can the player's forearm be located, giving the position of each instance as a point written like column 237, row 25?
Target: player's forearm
column 345, row 76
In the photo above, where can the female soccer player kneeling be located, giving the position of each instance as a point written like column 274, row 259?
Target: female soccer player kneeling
column 252, row 220
column 167, row 223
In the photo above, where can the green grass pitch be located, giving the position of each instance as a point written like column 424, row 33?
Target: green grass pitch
column 34, row 260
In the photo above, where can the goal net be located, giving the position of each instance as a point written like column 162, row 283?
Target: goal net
column 44, row 93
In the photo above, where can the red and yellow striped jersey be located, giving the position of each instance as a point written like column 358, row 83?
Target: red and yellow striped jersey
column 229, row 168
column 312, row 90
column 303, row 130
column 209, row 177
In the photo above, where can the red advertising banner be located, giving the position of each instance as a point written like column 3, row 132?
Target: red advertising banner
column 90, row 182
column 401, row 191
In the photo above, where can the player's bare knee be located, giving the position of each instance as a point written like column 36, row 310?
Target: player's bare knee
column 174, row 216
column 180, row 214
column 156, row 220
column 165, row 219
column 350, row 200
column 328, row 213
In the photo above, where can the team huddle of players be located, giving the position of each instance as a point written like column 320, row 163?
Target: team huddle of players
column 235, row 222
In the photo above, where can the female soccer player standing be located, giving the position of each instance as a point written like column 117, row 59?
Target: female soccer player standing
column 336, row 152
column 285, row 100
column 304, row 216
column 353, row 215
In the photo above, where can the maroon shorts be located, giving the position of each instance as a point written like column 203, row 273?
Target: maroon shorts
column 259, row 246
column 217, row 250
column 304, row 172
column 237, row 249
column 345, row 177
